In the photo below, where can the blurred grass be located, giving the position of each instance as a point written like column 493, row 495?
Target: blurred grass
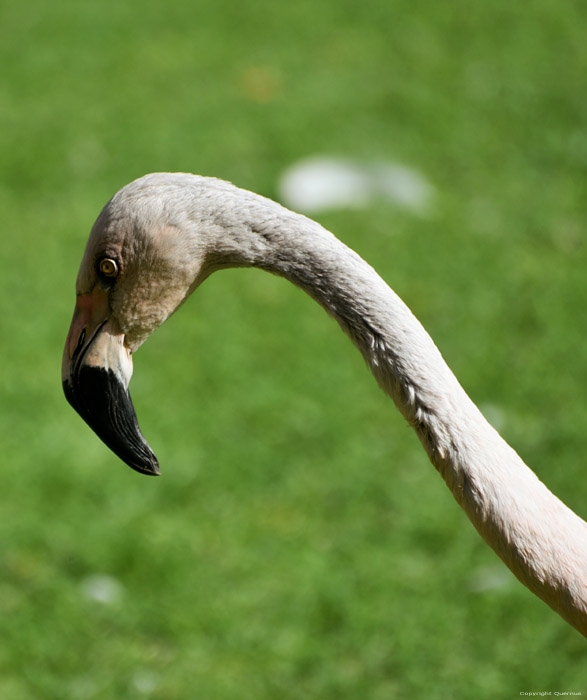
column 298, row 544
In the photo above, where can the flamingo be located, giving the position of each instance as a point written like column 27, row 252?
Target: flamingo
column 163, row 234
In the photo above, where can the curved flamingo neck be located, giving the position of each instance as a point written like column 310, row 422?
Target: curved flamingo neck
column 542, row 541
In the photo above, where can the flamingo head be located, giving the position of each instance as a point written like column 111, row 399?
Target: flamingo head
column 139, row 266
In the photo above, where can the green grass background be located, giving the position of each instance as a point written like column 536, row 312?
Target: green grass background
column 298, row 544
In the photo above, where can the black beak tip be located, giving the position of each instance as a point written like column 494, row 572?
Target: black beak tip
column 149, row 468
column 105, row 405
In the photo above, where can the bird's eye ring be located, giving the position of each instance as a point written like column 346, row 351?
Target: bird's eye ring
column 108, row 267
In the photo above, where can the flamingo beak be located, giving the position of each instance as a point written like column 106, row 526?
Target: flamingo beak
column 96, row 371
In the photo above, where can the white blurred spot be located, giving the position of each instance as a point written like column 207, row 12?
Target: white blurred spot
column 324, row 183
column 102, row 588
column 490, row 578
column 403, row 186
column 145, row 682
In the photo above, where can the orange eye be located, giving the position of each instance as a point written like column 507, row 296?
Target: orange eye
column 108, row 267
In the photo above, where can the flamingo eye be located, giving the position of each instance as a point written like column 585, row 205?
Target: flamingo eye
column 108, row 267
